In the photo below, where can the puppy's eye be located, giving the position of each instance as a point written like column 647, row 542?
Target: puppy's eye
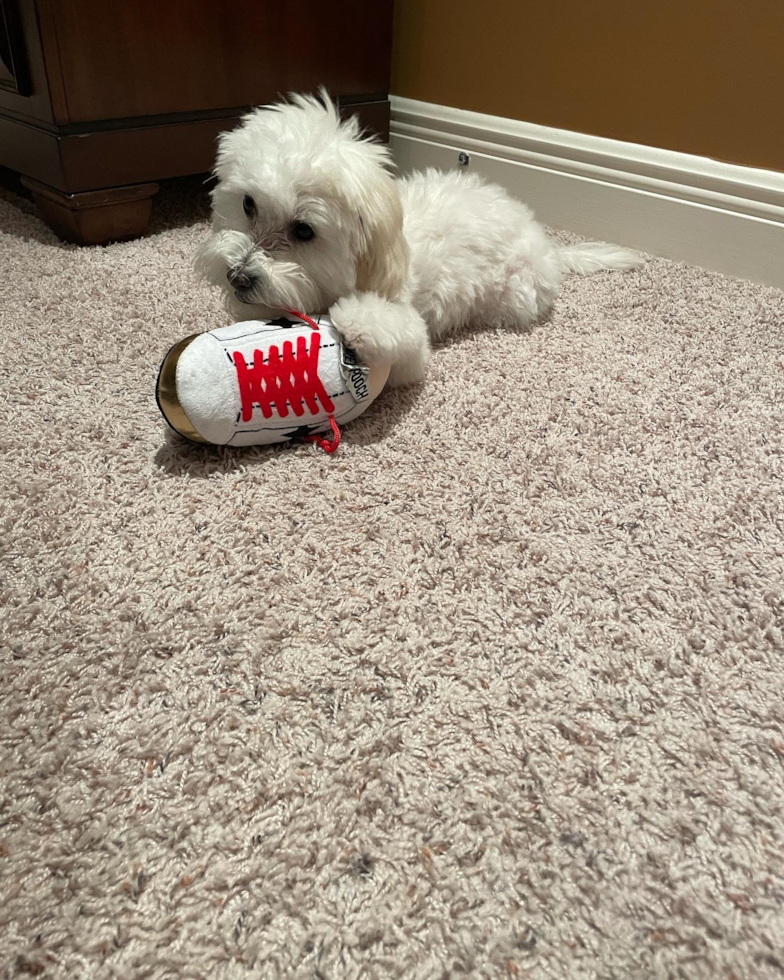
column 249, row 205
column 302, row 232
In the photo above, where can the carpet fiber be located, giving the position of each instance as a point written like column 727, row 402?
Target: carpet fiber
column 497, row 691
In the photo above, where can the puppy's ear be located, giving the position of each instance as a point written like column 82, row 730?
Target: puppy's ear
column 382, row 265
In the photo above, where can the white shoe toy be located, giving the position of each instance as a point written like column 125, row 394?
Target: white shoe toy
column 261, row 382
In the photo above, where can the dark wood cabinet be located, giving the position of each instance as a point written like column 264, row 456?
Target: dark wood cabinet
column 99, row 100
column 13, row 64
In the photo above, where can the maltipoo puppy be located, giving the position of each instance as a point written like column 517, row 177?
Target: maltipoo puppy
column 308, row 216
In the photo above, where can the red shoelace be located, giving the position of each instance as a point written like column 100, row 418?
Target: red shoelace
column 288, row 378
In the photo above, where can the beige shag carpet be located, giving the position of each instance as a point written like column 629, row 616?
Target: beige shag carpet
column 498, row 691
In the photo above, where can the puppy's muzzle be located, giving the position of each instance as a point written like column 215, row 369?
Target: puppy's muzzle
column 240, row 280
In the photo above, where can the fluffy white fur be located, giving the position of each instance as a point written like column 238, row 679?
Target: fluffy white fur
column 396, row 263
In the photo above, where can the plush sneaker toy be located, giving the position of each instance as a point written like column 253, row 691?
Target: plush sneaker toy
column 261, row 382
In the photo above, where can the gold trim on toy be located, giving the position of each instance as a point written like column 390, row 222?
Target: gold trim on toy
column 166, row 393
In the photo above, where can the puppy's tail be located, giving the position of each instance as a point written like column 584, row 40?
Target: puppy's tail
column 594, row 256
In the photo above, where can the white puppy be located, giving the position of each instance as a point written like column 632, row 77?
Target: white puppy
column 307, row 216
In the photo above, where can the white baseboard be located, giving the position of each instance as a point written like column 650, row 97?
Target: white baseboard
column 716, row 215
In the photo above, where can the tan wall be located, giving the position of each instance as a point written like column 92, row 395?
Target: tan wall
column 699, row 76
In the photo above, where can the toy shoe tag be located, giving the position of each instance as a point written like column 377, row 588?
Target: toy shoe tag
column 355, row 375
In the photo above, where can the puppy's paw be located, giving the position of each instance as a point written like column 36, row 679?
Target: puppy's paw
column 379, row 331
column 409, row 372
column 354, row 318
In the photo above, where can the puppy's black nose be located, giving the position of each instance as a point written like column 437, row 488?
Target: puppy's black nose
column 240, row 280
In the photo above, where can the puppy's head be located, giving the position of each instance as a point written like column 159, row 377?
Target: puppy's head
column 305, row 211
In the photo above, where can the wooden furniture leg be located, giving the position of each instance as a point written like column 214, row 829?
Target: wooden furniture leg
column 113, row 214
